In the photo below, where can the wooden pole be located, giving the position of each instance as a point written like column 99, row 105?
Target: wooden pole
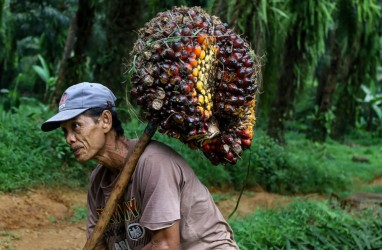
column 120, row 187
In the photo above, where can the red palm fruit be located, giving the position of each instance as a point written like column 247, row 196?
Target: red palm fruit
column 244, row 134
column 164, row 78
column 198, row 20
column 173, row 70
column 206, row 147
column 189, row 48
column 197, row 50
column 202, row 38
column 155, row 58
column 168, row 53
column 192, row 55
column 185, row 88
column 175, row 80
column 192, row 62
column 173, row 133
column 192, row 132
column 202, row 131
column 192, row 13
column 188, row 67
column 184, row 54
column 246, row 143
column 229, row 156
column 178, row 118
column 228, row 139
column 186, row 31
column 177, row 46
column 248, row 62
column 189, row 120
column 238, row 42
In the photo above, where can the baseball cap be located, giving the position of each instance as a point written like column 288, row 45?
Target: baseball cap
column 77, row 99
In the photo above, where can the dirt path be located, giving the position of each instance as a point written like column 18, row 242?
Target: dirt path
column 42, row 219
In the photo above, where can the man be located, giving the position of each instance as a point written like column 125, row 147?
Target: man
column 164, row 206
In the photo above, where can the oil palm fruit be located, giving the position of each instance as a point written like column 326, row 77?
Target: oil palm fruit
column 198, row 80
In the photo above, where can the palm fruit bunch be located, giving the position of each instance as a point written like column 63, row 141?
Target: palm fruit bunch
column 197, row 80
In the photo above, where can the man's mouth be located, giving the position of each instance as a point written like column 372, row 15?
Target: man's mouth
column 76, row 150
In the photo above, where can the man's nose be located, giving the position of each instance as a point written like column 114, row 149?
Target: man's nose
column 70, row 138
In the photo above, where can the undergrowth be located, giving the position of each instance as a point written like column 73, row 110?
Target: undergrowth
column 30, row 157
column 308, row 225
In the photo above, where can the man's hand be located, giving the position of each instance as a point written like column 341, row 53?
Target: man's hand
column 165, row 239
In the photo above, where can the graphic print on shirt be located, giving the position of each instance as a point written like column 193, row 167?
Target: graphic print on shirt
column 124, row 231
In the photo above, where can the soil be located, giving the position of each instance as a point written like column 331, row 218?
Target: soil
column 42, row 219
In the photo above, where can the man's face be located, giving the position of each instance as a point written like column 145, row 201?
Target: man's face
column 85, row 137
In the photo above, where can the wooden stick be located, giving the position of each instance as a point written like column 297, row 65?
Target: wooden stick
column 120, row 187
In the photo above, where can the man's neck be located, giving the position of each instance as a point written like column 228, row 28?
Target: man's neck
column 114, row 153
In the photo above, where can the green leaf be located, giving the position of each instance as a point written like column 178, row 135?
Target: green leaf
column 41, row 72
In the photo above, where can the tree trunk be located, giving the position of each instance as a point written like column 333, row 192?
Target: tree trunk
column 2, row 62
column 286, row 87
column 327, row 82
column 353, row 70
column 346, row 105
column 72, row 68
column 123, row 20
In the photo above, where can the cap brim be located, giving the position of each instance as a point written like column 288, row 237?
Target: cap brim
column 55, row 121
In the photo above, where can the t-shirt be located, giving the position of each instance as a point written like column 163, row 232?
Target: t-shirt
column 162, row 190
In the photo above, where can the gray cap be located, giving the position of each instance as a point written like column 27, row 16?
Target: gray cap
column 77, row 99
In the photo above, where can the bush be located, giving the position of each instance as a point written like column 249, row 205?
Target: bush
column 308, row 225
column 290, row 169
column 30, row 157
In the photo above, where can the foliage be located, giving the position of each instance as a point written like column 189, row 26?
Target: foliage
column 79, row 213
column 296, row 168
column 43, row 72
column 362, row 58
column 30, row 28
column 30, row 157
column 308, row 225
column 370, row 110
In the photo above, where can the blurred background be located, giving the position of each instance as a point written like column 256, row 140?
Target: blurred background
column 319, row 111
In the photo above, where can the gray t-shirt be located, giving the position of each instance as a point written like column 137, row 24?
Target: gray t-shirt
column 162, row 190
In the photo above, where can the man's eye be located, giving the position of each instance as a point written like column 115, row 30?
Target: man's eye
column 76, row 126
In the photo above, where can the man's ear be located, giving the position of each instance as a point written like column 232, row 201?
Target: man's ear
column 106, row 120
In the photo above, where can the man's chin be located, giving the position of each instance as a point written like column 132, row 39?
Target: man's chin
column 81, row 159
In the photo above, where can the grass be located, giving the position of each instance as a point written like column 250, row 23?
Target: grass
column 31, row 158
column 336, row 158
column 308, row 225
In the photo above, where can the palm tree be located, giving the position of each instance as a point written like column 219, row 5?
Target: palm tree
column 360, row 63
column 73, row 68
column 305, row 41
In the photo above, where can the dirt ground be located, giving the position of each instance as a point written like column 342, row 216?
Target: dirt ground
column 40, row 219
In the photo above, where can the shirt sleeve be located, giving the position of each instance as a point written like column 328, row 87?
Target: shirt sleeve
column 159, row 179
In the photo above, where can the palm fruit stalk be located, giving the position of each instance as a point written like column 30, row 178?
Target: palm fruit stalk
column 197, row 79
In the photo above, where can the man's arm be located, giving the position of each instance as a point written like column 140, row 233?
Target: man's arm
column 165, row 239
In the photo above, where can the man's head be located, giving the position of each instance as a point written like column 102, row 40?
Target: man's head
column 86, row 115
column 79, row 98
